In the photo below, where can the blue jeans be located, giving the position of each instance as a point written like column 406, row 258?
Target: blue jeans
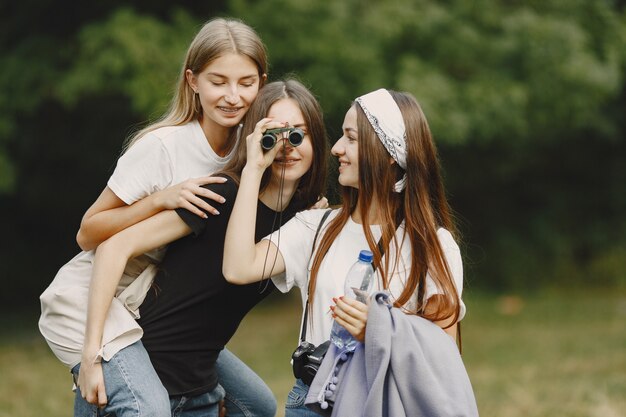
column 246, row 393
column 203, row 405
column 132, row 386
column 294, row 407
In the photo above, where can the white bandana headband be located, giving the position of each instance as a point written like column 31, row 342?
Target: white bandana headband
column 385, row 117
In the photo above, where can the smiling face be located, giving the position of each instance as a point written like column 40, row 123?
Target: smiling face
column 296, row 161
column 346, row 149
column 226, row 88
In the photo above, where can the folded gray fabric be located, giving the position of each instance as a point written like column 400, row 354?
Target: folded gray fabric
column 408, row 367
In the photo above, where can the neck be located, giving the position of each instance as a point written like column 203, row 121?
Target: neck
column 276, row 197
column 374, row 214
column 217, row 136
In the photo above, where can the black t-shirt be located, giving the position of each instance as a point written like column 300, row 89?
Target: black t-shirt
column 191, row 312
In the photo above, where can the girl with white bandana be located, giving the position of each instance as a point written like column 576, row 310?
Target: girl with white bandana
column 393, row 204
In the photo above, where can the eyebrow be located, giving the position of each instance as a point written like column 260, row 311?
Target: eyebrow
column 216, row 74
column 349, row 130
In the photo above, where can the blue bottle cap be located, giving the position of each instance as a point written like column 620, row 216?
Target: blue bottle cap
column 366, row 256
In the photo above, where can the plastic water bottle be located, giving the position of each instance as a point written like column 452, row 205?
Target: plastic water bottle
column 360, row 277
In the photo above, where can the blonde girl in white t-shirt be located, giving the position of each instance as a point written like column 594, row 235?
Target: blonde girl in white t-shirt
column 392, row 191
column 163, row 167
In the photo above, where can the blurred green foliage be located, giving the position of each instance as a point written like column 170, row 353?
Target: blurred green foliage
column 526, row 100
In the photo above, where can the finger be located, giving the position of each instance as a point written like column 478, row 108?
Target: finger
column 350, row 304
column 209, row 208
column 203, row 205
column 348, row 317
column 321, row 203
column 102, row 396
column 354, row 330
column 193, row 209
column 209, row 180
column 91, row 397
column 261, row 123
column 211, row 195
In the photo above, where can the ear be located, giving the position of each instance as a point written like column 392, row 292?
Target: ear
column 391, row 161
column 191, row 80
column 263, row 79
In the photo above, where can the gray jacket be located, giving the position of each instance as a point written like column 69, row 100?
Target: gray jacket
column 408, row 366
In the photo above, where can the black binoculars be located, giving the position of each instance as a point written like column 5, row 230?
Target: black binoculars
column 296, row 136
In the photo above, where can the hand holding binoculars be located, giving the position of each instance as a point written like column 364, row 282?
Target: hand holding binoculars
column 295, row 137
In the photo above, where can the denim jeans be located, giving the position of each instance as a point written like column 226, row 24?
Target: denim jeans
column 203, row 405
column 246, row 393
column 294, row 407
column 132, row 386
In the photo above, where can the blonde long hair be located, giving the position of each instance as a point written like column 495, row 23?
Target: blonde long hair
column 217, row 37
column 422, row 204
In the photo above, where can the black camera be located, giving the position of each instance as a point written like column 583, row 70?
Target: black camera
column 307, row 359
column 295, row 135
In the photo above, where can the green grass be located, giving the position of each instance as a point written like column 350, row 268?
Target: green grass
column 552, row 354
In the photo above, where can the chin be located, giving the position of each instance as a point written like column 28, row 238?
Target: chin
column 347, row 183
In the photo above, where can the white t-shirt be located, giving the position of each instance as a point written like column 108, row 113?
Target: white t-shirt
column 295, row 240
column 161, row 158
column 164, row 157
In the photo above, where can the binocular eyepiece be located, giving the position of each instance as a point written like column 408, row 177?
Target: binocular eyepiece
column 295, row 136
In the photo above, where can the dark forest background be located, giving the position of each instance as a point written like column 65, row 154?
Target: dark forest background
column 526, row 100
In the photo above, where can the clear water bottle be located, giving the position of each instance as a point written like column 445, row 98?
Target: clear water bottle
column 360, row 278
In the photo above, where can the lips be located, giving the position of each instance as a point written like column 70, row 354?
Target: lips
column 230, row 111
column 286, row 161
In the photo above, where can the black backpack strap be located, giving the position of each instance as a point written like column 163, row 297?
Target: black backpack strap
column 306, row 307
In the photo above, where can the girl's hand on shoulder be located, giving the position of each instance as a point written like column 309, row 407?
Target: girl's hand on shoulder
column 258, row 158
column 187, row 195
column 91, row 383
column 352, row 315
column 322, row 203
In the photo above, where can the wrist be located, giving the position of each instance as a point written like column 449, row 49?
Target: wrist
column 89, row 359
column 252, row 172
column 156, row 201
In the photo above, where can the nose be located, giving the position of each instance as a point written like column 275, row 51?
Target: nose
column 286, row 145
column 232, row 97
column 338, row 149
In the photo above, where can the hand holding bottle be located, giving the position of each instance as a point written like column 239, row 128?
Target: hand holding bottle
column 350, row 311
column 351, row 315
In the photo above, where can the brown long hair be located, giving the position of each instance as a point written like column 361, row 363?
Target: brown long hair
column 216, row 38
column 422, row 205
column 312, row 183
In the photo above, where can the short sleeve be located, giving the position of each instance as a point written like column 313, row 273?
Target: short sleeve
column 295, row 243
column 197, row 224
column 452, row 255
column 144, row 169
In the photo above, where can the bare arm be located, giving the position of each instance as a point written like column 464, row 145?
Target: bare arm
column 109, row 263
column 109, row 214
column 244, row 261
column 432, row 306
